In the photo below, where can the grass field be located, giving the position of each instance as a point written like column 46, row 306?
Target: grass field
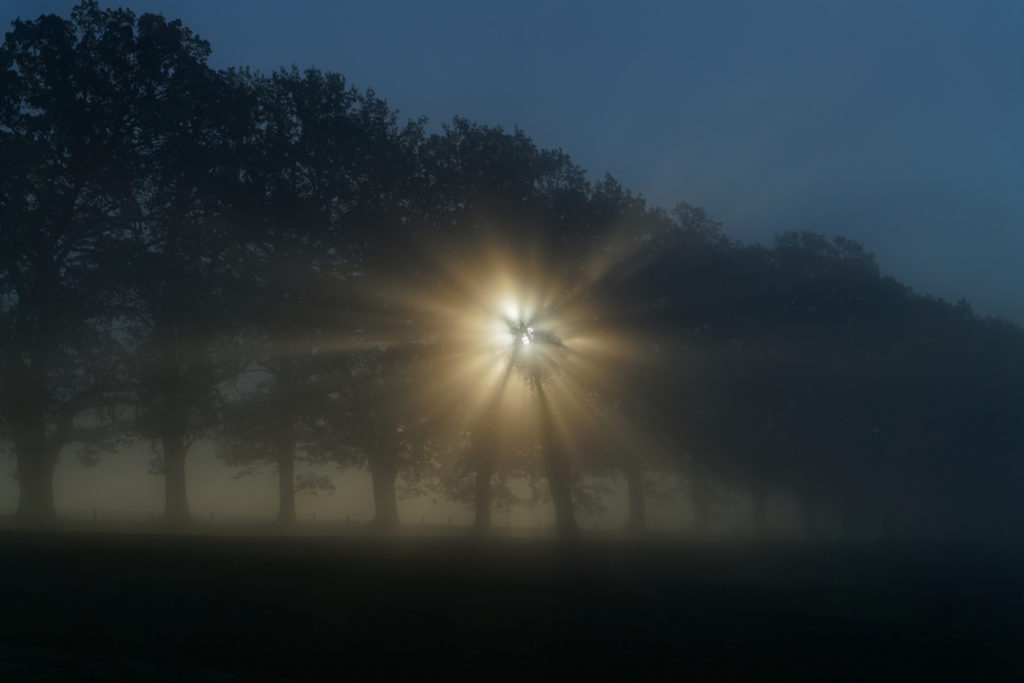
column 137, row 606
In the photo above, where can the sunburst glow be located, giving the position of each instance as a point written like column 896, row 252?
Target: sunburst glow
column 504, row 328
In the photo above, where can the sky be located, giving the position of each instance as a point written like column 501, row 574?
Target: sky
column 894, row 123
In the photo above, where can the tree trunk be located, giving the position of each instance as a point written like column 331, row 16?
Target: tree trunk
column 759, row 507
column 284, row 440
column 36, row 457
column 35, row 486
column 286, row 486
column 560, row 481
column 559, row 474
column 176, row 513
column 484, row 472
column 384, row 473
column 486, row 447
column 636, row 523
column 286, row 471
column 173, row 425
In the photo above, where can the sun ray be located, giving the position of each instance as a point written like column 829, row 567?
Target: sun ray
column 505, row 340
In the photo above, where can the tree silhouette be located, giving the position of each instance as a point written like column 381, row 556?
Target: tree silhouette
column 75, row 95
column 324, row 173
column 186, row 264
column 168, row 230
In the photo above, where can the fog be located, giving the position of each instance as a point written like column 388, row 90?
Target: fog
column 120, row 489
column 328, row 347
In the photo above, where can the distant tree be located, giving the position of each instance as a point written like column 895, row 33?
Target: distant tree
column 378, row 419
column 609, row 438
column 250, row 435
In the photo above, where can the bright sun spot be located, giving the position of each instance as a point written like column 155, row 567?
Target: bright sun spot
column 504, row 324
column 521, row 331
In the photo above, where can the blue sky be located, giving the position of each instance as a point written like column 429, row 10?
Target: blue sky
column 895, row 123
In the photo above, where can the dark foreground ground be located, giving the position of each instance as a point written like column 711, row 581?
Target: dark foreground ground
column 138, row 607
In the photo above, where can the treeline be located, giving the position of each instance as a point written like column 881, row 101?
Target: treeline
column 189, row 253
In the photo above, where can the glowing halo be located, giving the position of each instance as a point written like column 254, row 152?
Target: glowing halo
column 509, row 344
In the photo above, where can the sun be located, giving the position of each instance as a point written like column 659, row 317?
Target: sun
column 504, row 338
column 521, row 333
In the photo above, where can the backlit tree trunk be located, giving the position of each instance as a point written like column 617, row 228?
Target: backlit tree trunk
column 36, row 465
column 285, row 448
column 559, row 479
column 286, row 486
column 384, row 474
column 637, row 521
column 486, row 448
column 284, row 440
column 36, row 456
column 173, row 424
column 558, row 470
column 176, row 512
column 484, row 472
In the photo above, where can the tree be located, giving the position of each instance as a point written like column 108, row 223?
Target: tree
column 184, row 250
column 74, row 96
column 324, row 179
